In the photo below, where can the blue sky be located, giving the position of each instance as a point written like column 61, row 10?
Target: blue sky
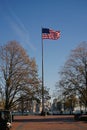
column 22, row 20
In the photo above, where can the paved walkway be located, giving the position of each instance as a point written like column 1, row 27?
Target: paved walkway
column 47, row 123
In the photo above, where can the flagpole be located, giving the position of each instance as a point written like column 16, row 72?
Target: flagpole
column 43, row 112
column 53, row 35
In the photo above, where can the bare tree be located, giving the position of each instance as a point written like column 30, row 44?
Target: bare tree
column 74, row 74
column 18, row 73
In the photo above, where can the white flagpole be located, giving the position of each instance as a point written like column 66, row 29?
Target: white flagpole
column 43, row 111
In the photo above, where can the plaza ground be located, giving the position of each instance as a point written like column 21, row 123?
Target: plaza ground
column 58, row 122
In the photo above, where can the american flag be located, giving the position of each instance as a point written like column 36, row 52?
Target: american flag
column 50, row 34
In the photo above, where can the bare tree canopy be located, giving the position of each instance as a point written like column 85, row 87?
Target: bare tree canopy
column 18, row 73
column 74, row 74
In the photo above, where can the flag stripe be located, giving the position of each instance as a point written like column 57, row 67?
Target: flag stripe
column 50, row 34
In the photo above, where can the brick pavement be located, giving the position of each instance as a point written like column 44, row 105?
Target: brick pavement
column 47, row 123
